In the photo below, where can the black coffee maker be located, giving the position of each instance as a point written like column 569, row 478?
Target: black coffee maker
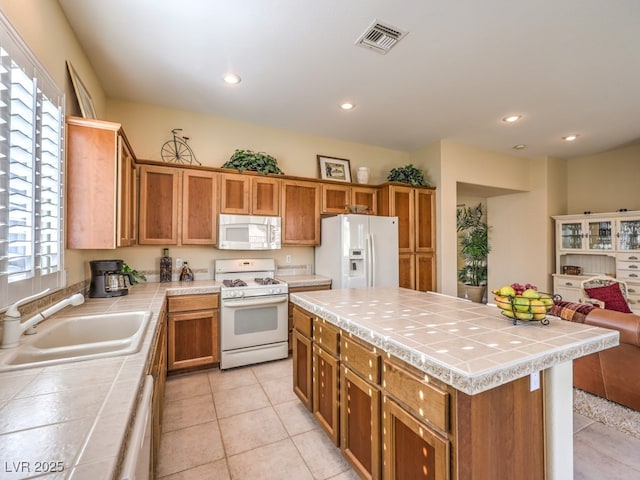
column 108, row 280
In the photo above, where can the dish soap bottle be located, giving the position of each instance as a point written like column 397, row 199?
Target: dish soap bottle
column 186, row 275
column 165, row 266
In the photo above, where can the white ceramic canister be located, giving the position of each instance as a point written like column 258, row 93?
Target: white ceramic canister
column 363, row 174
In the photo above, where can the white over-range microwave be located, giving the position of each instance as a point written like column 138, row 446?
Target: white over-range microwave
column 248, row 232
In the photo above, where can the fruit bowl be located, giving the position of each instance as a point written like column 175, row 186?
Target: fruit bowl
column 524, row 303
column 526, row 309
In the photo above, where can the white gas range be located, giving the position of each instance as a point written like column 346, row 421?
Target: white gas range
column 254, row 312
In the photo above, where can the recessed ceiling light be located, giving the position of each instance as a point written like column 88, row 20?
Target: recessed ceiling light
column 571, row 137
column 520, row 146
column 231, row 78
column 347, row 106
column 511, row 118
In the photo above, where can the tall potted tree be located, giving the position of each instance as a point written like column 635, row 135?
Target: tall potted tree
column 473, row 235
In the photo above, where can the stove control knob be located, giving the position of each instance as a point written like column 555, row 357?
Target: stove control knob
column 232, row 294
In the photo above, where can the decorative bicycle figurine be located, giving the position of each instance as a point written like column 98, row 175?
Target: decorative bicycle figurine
column 177, row 150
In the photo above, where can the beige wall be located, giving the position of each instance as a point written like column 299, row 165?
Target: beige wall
column 214, row 139
column 605, row 182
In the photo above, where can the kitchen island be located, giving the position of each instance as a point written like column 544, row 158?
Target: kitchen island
column 481, row 397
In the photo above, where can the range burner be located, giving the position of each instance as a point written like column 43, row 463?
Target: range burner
column 266, row 281
column 234, row 283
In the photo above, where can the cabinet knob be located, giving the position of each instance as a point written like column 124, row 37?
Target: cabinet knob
column 633, row 275
column 633, row 258
column 633, row 266
column 569, row 284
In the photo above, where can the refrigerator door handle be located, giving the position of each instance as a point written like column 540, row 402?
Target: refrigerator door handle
column 371, row 279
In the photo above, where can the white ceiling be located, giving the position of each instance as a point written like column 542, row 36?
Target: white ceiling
column 566, row 65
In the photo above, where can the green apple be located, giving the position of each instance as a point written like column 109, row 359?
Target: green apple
column 524, row 315
column 521, row 304
column 531, row 293
column 507, row 291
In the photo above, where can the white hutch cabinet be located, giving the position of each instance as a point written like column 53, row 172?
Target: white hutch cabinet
column 600, row 244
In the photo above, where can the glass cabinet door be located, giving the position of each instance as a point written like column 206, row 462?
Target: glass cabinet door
column 600, row 234
column 629, row 234
column 571, row 235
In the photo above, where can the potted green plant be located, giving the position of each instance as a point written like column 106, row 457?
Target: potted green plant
column 408, row 174
column 136, row 276
column 473, row 235
column 254, row 161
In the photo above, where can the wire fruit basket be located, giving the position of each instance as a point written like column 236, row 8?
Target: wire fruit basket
column 527, row 309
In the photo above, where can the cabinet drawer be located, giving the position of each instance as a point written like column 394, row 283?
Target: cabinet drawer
column 568, row 282
column 361, row 359
column 425, row 401
column 628, row 257
column 186, row 303
column 302, row 321
column 326, row 335
column 630, row 275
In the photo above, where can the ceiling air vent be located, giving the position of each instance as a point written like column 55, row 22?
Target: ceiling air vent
column 380, row 37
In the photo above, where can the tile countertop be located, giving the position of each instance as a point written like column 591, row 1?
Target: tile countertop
column 72, row 419
column 469, row 346
column 295, row 281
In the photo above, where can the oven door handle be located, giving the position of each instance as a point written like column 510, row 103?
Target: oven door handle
column 249, row 303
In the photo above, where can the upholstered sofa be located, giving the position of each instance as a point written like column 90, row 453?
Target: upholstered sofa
column 614, row 373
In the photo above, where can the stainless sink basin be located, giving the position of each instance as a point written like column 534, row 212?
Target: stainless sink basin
column 79, row 338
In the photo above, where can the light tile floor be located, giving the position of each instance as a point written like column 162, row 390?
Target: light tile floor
column 246, row 423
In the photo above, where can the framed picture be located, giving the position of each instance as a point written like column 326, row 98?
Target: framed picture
column 334, row 168
column 82, row 94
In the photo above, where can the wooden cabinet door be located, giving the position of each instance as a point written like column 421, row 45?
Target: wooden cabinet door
column 425, row 272
column 300, row 213
column 127, row 221
column 410, row 448
column 425, row 222
column 302, row 368
column 407, row 270
column 326, row 392
column 92, row 184
column 193, row 339
column 234, row 193
column 365, row 196
column 199, row 219
column 265, row 196
column 335, row 198
column 402, row 206
column 159, row 373
column 360, row 424
column 159, row 189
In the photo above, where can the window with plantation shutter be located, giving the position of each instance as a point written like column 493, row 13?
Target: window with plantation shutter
column 31, row 172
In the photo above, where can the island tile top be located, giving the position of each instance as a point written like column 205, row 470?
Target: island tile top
column 469, row 346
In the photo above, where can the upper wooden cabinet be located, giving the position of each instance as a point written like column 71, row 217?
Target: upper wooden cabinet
column 398, row 201
column 177, row 206
column 249, row 195
column 300, row 213
column 335, row 198
column 100, row 186
column 415, row 209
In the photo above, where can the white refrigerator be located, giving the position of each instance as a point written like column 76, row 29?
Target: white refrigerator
column 358, row 251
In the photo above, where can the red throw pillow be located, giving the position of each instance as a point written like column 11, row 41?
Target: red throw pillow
column 612, row 297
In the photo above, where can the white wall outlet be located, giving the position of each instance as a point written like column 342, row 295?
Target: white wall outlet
column 288, row 259
column 534, row 381
column 179, row 263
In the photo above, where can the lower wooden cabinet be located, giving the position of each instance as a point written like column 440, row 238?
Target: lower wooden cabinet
column 158, row 369
column 393, row 421
column 302, row 368
column 326, row 392
column 411, row 449
column 360, row 423
column 194, row 331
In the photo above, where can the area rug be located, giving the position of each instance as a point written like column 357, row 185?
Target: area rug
column 612, row 414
